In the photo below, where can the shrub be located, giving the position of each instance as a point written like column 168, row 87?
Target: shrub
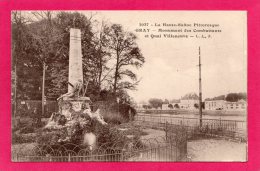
column 114, row 118
column 23, row 138
column 27, row 129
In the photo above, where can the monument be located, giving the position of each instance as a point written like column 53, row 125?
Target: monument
column 75, row 58
column 74, row 103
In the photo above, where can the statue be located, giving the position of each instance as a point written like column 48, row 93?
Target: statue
column 74, row 104
column 75, row 91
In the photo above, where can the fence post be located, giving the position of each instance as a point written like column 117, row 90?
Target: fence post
column 122, row 155
column 17, row 157
column 69, row 159
column 91, row 155
column 50, row 159
column 166, row 131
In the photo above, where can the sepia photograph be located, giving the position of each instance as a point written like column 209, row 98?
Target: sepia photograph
column 129, row 86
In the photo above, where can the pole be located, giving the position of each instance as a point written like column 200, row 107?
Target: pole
column 43, row 87
column 200, row 91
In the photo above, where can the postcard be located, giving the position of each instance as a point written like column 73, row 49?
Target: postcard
column 120, row 86
column 130, row 85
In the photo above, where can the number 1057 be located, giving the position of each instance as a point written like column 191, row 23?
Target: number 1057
column 143, row 24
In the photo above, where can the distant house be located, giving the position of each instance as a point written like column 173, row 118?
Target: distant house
column 189, row 101
column 239, row 105
column 214, row 104
column 225, row 105
column 165, row 107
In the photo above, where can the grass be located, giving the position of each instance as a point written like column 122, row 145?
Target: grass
column 132, row 129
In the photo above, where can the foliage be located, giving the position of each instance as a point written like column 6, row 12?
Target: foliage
column 176, row 106
column 126, row 53
column 147, row 106
column 170, row 106
column 231, row 97
column 23, row 138
column 156, row 103
column 27, row 129
column 107, row 136
column 190, row 96
column 115, row 113
column 109, row 52
column 196, row 105
column 234, row 97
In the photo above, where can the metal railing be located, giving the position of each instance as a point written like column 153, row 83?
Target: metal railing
column 228, row 128
column 153, row 149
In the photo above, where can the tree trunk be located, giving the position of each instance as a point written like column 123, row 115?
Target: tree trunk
column 116, row 72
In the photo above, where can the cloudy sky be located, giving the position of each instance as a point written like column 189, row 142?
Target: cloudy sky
column 171, row 71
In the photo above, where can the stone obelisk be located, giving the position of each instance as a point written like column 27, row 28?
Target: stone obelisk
column 69, row 105
column 75, row 58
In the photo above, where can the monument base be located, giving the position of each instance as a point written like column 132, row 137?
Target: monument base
column 71, row 107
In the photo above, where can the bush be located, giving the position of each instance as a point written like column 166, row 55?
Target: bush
column 23, row 138
column 114, row 118
column 115, row 113
column 27, row 129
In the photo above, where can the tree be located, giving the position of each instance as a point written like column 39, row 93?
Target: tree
column 166, row 101
column 57, row 81
column 170, row 106
column 19, row 32
column 234, row 97
column 155, row 103
column 126, row 53
column 176, row 106
column 196, row 105
column 102, row 55
column 147, row 106
column 221, row 97
column 44, row 39
column 23, row 58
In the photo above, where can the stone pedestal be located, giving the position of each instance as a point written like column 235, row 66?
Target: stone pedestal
column 69, row 107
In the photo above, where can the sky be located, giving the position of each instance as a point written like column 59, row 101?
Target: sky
column 170, row 70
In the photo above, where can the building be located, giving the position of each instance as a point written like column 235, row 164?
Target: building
column 214, row 104
column 225, row 105
column 190, row 101
column 165, row 106
column 239, row 105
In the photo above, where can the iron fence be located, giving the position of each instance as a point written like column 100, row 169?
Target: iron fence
column 218, row 127
column 153, row 149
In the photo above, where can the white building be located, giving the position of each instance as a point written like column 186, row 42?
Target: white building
column 190, row 101
column 225, row 105
column 165, row 107
column 214, row 104
column 239, row 105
